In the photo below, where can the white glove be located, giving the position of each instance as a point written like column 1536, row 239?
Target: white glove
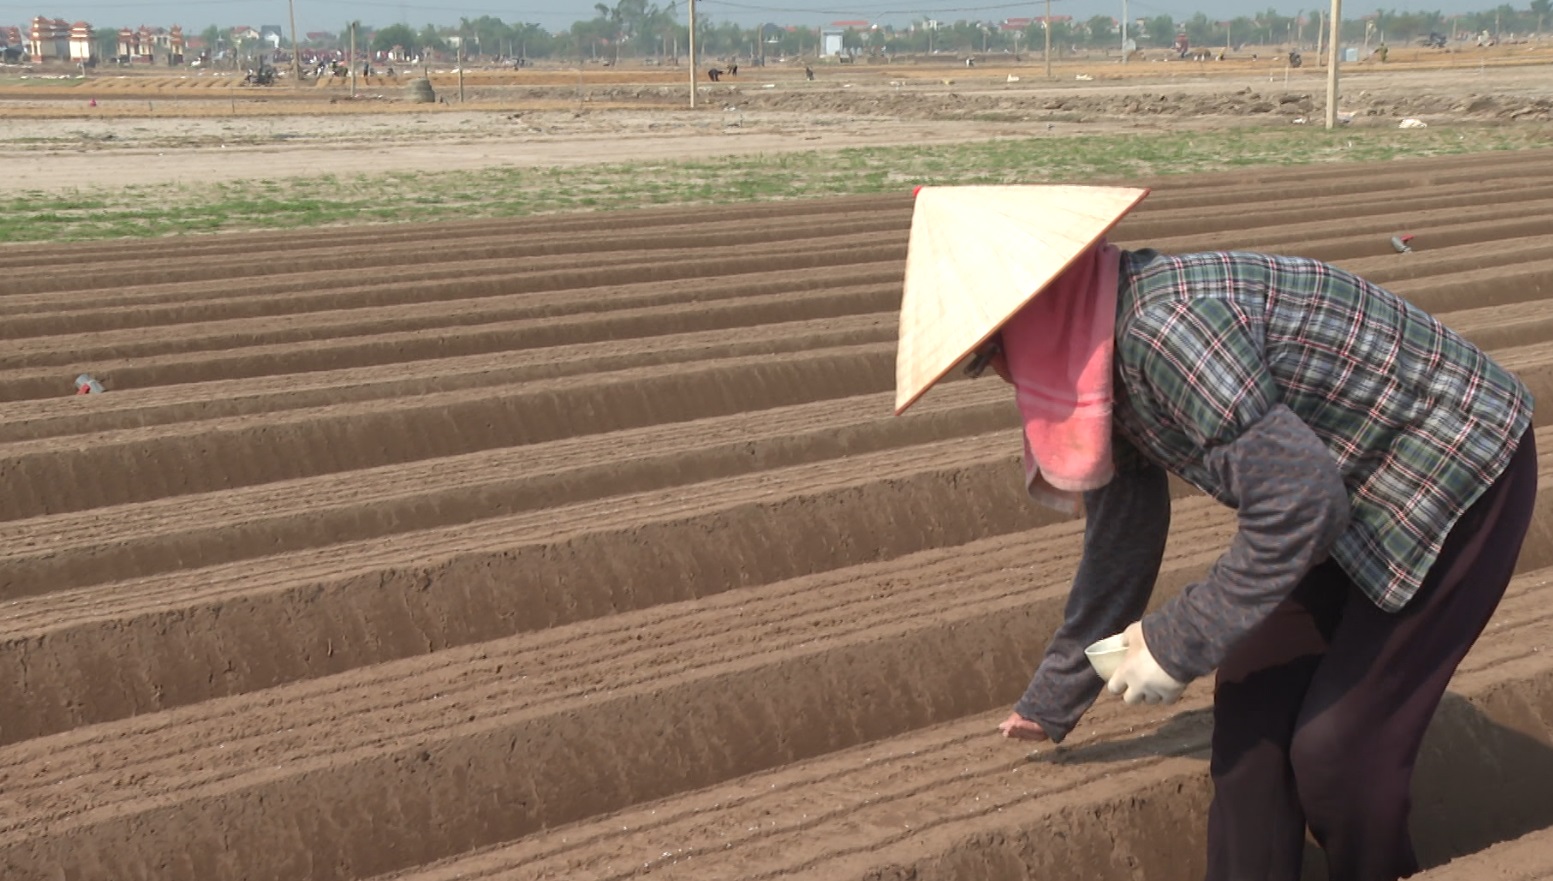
column 1140, row 679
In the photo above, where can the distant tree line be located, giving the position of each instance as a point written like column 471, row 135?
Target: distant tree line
column 639, row 29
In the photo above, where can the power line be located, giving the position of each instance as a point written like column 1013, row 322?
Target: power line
column 139, row 5
column 857, row 10
column 445, row 8
column 360, row 4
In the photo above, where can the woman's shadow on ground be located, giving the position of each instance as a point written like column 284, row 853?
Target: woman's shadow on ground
column 1480, row 780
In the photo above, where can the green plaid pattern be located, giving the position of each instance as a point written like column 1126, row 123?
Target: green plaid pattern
column 1419, row 420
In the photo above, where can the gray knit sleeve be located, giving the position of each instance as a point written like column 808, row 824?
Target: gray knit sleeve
column 1127, row 522
column 1292, row 507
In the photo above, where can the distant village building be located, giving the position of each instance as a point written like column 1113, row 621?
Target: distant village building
column 1019, row 26
column 832, row 42
column 270, row 35
column 132, row 48
column 54, row 40
column 145, row 45
column 82, row 49
column 49, row 40
column 12, row 47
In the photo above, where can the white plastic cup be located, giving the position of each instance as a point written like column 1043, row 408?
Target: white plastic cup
column 1106, row 655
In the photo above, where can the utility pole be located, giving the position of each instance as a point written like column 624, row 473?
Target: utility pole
column 296, row 48
column 1333, row 40
column 1124, row 31
column 350, row 63
column 1047, row 26
column 692, row 54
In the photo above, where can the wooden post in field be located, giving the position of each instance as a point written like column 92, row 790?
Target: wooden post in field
column 1047, row 26
column 1124, row 31
column 692, row 54
column 296, row 48
column 1333, row 40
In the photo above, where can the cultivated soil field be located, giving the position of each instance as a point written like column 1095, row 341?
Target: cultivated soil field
column 152, row 126
column 586, row 547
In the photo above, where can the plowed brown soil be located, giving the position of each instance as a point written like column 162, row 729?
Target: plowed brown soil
column 591, row 550
column 150, row 127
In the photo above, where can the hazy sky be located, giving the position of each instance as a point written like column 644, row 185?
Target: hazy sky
column 554, row 15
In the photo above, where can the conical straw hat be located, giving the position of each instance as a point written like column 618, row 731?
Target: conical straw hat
column 977, row 255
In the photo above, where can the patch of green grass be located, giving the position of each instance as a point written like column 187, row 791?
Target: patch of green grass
column 24, row 81
column 290, row 203
column 1000, row 116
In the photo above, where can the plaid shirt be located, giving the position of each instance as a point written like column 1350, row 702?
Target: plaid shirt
column 1419, row 421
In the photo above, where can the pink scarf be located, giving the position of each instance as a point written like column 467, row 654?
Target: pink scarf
column 1059, row 349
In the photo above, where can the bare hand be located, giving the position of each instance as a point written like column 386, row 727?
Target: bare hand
column 1017, row 727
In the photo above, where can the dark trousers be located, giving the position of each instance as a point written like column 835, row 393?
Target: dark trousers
column 1318, row 715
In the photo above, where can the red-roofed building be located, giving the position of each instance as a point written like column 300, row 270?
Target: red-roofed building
column 144, row 44
column 12, row 47
column 82, row 48
column 49, row 39
column 1023, row 24
column 137, row 45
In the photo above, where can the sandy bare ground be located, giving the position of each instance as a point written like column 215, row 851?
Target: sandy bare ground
column 197, row 150
column 163, row 134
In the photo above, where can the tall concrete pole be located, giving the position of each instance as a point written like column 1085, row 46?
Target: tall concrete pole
column 1124, row 31
column 1047, row 26
column 350, row 63
column 296, row 48
column 692, row 54
column 1332, row 54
